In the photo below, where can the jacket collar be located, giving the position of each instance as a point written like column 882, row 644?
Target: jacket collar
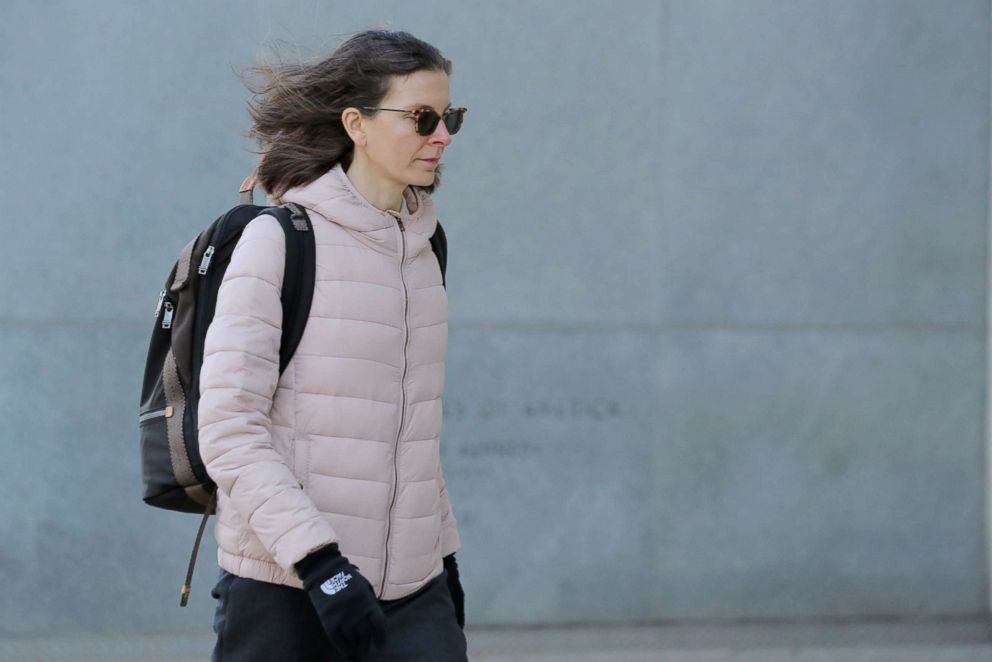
column 334, row 196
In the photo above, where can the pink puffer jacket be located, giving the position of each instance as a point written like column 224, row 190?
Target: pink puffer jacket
column 344, row 446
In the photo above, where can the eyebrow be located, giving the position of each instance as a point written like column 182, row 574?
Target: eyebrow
column 426, row 105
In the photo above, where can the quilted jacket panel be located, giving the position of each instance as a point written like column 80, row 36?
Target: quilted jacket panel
column 344, row 446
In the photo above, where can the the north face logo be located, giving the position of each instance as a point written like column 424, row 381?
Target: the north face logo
column 336, row 583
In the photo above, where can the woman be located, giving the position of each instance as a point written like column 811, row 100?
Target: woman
column 335, row 534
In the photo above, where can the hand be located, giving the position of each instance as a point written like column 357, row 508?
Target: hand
column 344, row 600
column 455, row 588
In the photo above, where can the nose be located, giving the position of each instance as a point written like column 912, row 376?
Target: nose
column 440, row 136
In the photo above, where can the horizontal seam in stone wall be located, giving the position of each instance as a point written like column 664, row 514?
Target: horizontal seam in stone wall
column 678, row 327
column 577, row 327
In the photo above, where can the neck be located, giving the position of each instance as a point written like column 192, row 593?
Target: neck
column 383, row 193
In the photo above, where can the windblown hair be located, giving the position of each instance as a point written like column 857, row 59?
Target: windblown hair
column 296, row 108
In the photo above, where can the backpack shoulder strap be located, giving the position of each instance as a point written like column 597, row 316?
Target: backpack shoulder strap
column 298, row 277
column 439, row 242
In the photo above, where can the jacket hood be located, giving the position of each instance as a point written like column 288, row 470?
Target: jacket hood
column 334, row 196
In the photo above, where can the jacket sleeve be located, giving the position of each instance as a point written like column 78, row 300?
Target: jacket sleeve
column 450, row 542
column 238, row 380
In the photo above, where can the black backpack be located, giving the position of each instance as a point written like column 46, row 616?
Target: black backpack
column 173, row 472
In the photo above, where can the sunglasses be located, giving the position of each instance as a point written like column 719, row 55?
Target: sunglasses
column 427, row 118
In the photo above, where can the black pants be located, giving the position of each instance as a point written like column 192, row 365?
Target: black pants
column 273, row 623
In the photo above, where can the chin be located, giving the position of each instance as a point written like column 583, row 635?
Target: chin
column 423, row 179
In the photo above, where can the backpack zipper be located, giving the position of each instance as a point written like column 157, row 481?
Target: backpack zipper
column 158, row 306
column 167, row 318
column 158, row 413
column 399, row 432
column 205, row 262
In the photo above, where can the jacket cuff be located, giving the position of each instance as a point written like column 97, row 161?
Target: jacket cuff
column 299, row 541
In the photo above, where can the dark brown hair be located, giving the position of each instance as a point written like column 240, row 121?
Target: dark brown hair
column 296, row 108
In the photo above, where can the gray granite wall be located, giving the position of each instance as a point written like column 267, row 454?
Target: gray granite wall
column 717, row 287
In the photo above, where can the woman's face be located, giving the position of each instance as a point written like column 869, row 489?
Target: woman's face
column 393, row 145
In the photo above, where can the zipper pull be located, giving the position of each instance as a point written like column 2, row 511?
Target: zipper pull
column 400, row 221
column 167, row 320
column 205, row 262
column 158, row 306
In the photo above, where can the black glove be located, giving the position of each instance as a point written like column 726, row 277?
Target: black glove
column 455, row 588
column 344, row 600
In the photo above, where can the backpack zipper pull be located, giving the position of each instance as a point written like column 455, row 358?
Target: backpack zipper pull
column 158, row 306
column 205, row 262
column 167, row 320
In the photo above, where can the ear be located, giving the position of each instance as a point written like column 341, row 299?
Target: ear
column 354, row 125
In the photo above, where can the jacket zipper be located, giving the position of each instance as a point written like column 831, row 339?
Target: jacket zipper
column 399, row 432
